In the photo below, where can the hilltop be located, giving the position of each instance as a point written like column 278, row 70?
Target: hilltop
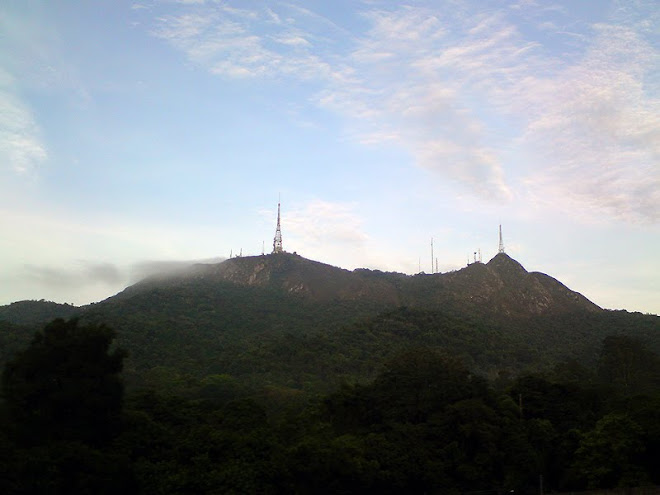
column 502, row 286
column 287, row 322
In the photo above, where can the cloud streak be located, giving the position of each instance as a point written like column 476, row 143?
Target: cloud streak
column 21, row 148
column 238, row 43
column 326, row 230
column 465, row 92
column 91, row 277
column 87, row 273
column 597, row 128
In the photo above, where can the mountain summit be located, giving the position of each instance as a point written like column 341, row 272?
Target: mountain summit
column 505, row 285
column 501, row 287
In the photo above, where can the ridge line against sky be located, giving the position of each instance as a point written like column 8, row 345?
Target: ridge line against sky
column 135, row 131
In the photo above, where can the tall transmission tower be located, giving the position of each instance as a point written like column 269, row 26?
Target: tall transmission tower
column 501, row 248
column 432, row 270
column 277, row 241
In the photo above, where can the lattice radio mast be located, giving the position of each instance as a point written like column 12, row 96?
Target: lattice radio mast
column 501, row 248
column 432, row 271
column 277, row 241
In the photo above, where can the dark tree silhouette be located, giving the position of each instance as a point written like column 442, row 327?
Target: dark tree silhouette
column 65, row 386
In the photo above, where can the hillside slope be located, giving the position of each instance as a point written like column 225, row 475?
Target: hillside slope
column 501, row 287
column 285, row 321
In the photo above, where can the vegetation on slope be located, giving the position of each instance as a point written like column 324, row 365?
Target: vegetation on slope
column 425, row 424
column 284, row 326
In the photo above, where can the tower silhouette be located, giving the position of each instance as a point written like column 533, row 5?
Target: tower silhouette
column 501, row 249
column 277, row 241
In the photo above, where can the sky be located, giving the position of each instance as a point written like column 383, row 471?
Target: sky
column 140, row 135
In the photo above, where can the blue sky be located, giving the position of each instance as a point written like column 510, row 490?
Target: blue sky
column 137, row 134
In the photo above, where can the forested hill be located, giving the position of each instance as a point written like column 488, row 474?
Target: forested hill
column 35, row 312
column 284, row 321
column 500, row 287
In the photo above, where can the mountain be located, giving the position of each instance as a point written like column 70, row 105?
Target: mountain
column 288, row 273
column 283, row 324
column 35, row 312
column 503, row 288
column 500, row 287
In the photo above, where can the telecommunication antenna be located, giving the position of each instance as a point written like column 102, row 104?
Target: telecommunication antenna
column 277, row 241
column 501, row 248
column 432, row 271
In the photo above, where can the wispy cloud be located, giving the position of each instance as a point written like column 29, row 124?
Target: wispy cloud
column 233, row 42
column 321, row 220
column 595, row 129
column 21, row 147
column 329, row 231
column 143, row 269
column 85, row 274
column 84, row 281
column 460, row 88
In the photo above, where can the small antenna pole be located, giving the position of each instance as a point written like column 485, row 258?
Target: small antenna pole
column 432, row 255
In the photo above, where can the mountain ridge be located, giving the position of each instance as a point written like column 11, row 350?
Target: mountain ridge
column 282, row 320
column 478, row 282
column 502, row 285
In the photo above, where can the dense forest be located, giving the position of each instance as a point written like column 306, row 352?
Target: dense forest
column 424, row 424
column 280, row 375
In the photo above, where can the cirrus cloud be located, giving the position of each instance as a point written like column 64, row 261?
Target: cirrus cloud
column 475, row 95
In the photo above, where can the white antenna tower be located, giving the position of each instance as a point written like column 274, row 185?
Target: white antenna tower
column 501, row 248
column 277, row 241
column 432, row 271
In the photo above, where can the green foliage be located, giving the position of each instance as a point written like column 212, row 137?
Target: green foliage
column 180, row 446
column 13, row 338
column 426, row 423
column 31, row 313
column 62, row 403
column 65, row 386
column 610, row 454
column 628, row 366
